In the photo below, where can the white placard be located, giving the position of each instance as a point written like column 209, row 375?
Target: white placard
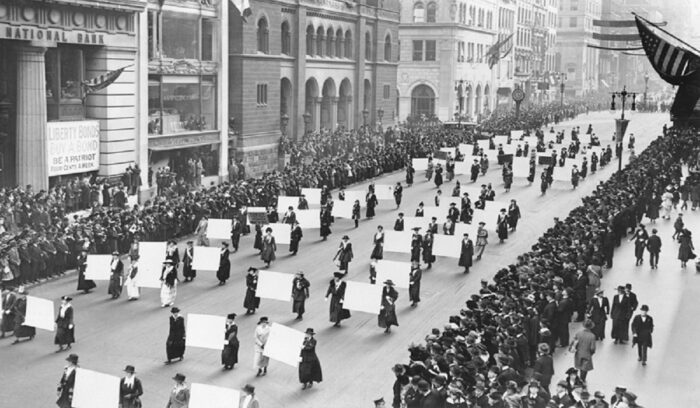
column 98, row 267
column 484, row 144
column 562, row 173
column 342, row 209
column 282, row 233
column 447, row 245
column 93, row 389
column 352, row 195
column 284, row 202
column 397, row 241
column 396, row 271
column 274, row 285
column 531, row 141
column 210, row 396
column 466, row 149
column 584, row 138
column 509, row 148
column 516, row 134
column 150, row 264
column 363, row 297
column 72, row 147
column 384, row 191
column 309, row 219
column 313, row 195
column 205, row 258
column 495, row 205
column 40, row 313
column 464, row 167
column 521, row 166
column 205, row 331
column 500, row 140
column 219, row 229
column 284, row 344
column 550, row 137
column 420, row 164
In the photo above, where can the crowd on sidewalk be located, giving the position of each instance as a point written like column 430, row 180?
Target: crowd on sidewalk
column 497, row 350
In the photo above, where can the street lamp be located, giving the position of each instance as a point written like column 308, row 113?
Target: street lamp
column 284, row 121
column 365, row 115
column 307, row 122
column 562, row 86
column 646, row 88
column 622, row 122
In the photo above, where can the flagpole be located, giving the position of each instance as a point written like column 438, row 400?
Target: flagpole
column 656, row 26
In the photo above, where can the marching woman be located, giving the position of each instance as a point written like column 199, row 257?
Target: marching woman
column 224, row 271
column 544, row 182
column 67, row 382
column 409, row 173
column 168, row 286
column 416, row 245
column 65, row 334
column 130, row 389
column 398, row 194
column 513, row 215
column 187, row 258
column 336, row 291
column 132, row 289
column 269, row 247
column 172, row 253
column 372, row 202
column 297, row 234
column 378, row 251
column 428, row 256
column 300, row 292
column 116, row 277
column 414, row 279
column 309, row 366
column 175, row 344
column 344, row 254
column 429, row 169
column 467, row 253
column 356, row 213
column 261, row 335
column 387, row 312
column 575, row 175
column 326, row 221
column 507, row 173
column 19, row 309
column 502, row 225
column 258, row 242
column 438, row 175
column 251, row 302
column 86, row 285
column 229, row 355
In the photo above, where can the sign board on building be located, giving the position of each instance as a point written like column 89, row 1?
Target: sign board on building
column 73, row 147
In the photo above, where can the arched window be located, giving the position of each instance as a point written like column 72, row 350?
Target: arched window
column 310, row 40
column 286, row 39
column 368, row 46
column 319, row 41
column 339, row 43
column 419, row 13
column 348, row 44
column 431, row 14
column 330, row 43
column 422, row 101
column 263, row 36
column 387, row 48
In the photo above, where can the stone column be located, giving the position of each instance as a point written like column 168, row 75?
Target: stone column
column 31, row 155
column 349, row 113
column 334, row 113
column 317, row 114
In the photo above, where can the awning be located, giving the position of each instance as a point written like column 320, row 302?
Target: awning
column 177, row 147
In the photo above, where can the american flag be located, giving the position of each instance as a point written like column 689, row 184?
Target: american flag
column 672, row 62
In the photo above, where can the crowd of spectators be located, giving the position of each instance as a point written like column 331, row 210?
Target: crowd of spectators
column 494, row 351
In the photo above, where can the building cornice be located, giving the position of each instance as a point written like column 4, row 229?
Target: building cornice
column 118, row 5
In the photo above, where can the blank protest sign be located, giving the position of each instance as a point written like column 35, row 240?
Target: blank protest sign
column 284, row 202
column 521, row 167
column 205, row 258
column 363, row 297
column 151, row 258
column 39, row 314
column 447, row 245
column 219, row 229
column 93, row 389
column 309, row 219
column 398, row 272
column 284, row 344
column 205, row 331
column 384, row 191
column 397, row 241
column 274, row 285
column 313, row 195
column 210, row 396
column 98, row 267
column 282, row 233
column 342, row 209
column 420, row 164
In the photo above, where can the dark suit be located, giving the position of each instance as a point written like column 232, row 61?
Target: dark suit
column 642, row 330
column 598, row 310
column 545, row 366
column 620, row 314
column 398, row 225
column 654, row 247
column 65, row 389
column 414, row 285
column 129, row 394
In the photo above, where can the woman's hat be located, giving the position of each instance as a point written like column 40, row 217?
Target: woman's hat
column 115, row 253
column 175, row 310
column 179, row 377
column 129, row 369
column 644, row 308
column 73, row 358
column 263, row 319
column 249, row 389
column 338, row 275
column 231, row 316
column 571, row 370
column 588, row 324
column 310, row 331
column 346, row 237
column 389, row 282
column 268, row 229
column 66, row 298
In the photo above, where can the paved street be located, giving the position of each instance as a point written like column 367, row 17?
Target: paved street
column 357, row 358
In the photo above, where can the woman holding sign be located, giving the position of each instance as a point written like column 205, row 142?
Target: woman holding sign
column 229, row 355
column 64, row 325
column 309, row 366
column 336, row 291
column 387, row 313
column 86, row 285
column 269, row 247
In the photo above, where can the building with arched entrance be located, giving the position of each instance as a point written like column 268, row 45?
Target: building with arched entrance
column 312, row 66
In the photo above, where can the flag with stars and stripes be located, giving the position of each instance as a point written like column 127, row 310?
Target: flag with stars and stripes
column 102, row 81
column 673, row 62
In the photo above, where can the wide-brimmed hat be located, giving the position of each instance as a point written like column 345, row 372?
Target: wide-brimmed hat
column 249, row 389
column 389, row 282
column 338, row 275
column 346, row 237
column 175, row 310
column 179, row 377
column 263, row 319
column 66, row 298
column 73, row 358
column 129, row 369
column 115, row 253
column 231, row 316
column 310, row 331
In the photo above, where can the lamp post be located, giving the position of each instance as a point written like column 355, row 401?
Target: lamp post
column 646, row 88
column 365, row 115
column 622, row 122
column 284, row 121
column 562, row 86
column 307, row 122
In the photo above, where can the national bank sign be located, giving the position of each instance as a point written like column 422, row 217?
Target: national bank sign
column 53, row 35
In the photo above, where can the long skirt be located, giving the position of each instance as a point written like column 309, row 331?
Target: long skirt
column 85, row 284
column 377, row 252
column 229, row 355
column 414, row 292
column 64, row 336
column 259, row 360
column 387, row 317
column 175, row 348
column 8, row 322
column 132, row 290
column 251, row 302
column 115, row 286
column 299, row 306
column 310, row 368
column 620, row 329
column 22, row 331
column 187, row 270
column 168, row 294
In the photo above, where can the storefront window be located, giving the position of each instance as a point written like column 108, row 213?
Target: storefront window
column 65, row 71
column 181, row 104
column 180, row 35
column 71, row 73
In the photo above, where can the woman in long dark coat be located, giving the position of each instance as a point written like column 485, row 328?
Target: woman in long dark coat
column 653, row 207
column 356, row 213
column 296, row 235
column 416, row 245
column 269, row 247
column 300, row 292
column 378, row 239
column 19, row 309
column 86, row 285
column 502, row 225
column 310, row 366
column 428, row 256
column 326, row 221
column 187, row 258
column 466, row 254
column 175, row 345
column 598, row 310
column 409, row 174
column 229, row 355
column 224, row 271
column 251, row 302
column 513, row 215
column 387, row 313
column 414, row 284
column 344, row 255
column 685, row 250
column 116, row 278
column 258, row 242
column 65, row 334
column 336, row 291
column 438, row 175
column 372, row 202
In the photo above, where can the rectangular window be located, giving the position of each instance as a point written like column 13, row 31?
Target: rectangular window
column 262, row 95
column 417, row 50
column 572, row 21
column 430, row 50
column 178, row 104
column 180, row 35
column 65, row 71
column 208, row 40
column 387, row 91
